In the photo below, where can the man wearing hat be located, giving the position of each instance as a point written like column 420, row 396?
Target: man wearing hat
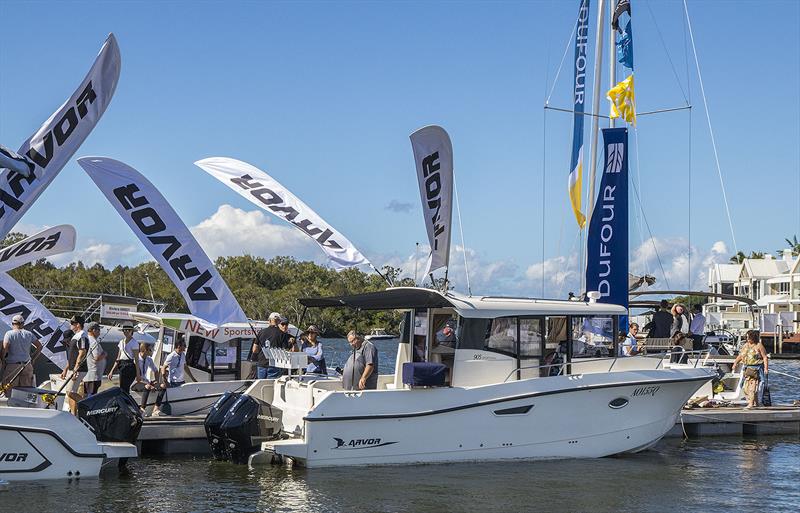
column 95, row 361
column 127, row 349
column 271, row 336
column 16, row 355
column 76, row 357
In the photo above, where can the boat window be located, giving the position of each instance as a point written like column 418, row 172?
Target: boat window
column 472, row 333
column 420, row 335
column 530, row 338
column 503, row 335
column 168, row 339
column 198, row 352
column 592, row 336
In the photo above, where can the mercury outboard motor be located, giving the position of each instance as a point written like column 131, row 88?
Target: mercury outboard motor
column 113, row 416
column 249, row 422
column 213, row 423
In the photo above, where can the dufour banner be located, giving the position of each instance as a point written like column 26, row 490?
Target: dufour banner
column 607, row 243
column 433, row 158
column 52, row 241
column 15, row 300
column 265, row 192
column 575, row 181
column 167, row 238
column 59, row 137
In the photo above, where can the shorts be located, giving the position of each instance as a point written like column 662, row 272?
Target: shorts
column 23, row 379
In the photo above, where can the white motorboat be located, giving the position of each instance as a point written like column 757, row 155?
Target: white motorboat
column 499, row 400
column 49, row 444
column 379, row 334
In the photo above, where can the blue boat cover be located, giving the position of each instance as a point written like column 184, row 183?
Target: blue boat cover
column 424, row 374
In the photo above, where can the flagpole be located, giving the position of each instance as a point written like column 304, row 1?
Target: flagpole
column 598, row 62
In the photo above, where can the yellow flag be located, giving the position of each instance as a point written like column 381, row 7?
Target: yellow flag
column 623, row 101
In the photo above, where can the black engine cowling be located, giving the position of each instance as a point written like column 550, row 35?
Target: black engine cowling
column 213, row 423
column 113, row 416
column 249, row 422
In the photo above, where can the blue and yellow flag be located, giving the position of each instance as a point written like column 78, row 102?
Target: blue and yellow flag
column 579, row 96
column 623, row 101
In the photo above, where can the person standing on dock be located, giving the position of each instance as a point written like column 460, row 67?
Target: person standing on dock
column 126, row 356
column 361, row 370
column 697, row 328
column 753, row 357
column 15, row 356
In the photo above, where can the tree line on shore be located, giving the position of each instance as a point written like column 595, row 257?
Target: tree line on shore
column 261, row 286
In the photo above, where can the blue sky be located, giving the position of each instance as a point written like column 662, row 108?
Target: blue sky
column 323, row 96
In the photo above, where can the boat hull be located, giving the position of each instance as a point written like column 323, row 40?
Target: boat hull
column 583, row 416
column 40, row 444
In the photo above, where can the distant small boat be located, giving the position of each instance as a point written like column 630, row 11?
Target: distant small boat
column 379, row 334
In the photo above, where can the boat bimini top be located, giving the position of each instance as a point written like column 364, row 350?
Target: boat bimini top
column 480, row 307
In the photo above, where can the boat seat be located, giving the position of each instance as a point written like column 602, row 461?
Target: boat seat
column 424, row 374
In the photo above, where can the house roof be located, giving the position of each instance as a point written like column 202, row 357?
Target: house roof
column 722, row 273
column 763, row 267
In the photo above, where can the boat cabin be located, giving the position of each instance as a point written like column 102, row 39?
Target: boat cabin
column 220, row 354
column 484, row 339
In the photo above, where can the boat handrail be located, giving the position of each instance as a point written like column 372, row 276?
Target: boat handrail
column 667, row 355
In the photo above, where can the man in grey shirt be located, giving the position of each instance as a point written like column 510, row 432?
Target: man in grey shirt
column 361, row 370
column 16, row 355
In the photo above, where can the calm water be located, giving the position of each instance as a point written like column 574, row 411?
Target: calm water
column 700, row 475
column 712, row 474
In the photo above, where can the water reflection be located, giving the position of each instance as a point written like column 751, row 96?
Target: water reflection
column 699, row 475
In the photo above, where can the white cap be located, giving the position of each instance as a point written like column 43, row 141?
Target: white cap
column 18, row 319
column 274, row 316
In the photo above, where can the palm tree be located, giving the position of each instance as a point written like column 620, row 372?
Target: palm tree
column 738, row 258
column 794, row 245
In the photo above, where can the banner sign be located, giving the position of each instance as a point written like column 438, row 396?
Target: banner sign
column 117, row 311
column 575, row 181
column 607, row 251
column 167, row 238
column 51, row 147
column 433, row 158
column 14, row 299
column 52, row 241
column 265, row 192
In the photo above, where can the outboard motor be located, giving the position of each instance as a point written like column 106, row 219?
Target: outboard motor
column 113, row 416
column 213, row 423
column 249, row 422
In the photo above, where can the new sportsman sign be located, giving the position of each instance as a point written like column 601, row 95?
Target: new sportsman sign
column 59, row 137
column 167, row 238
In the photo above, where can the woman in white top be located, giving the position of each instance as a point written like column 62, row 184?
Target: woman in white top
column 126, row 353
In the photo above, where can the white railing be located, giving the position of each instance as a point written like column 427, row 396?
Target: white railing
column 681, row 355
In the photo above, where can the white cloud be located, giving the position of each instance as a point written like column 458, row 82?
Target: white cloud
column 233, row 231
column 109, row 255
column 674, row 255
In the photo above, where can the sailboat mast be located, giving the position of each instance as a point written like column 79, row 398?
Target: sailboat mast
column 598, row 62
column 612, row 57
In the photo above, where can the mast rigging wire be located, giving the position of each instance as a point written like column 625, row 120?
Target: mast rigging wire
column 461, row 229
column 710, row 129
